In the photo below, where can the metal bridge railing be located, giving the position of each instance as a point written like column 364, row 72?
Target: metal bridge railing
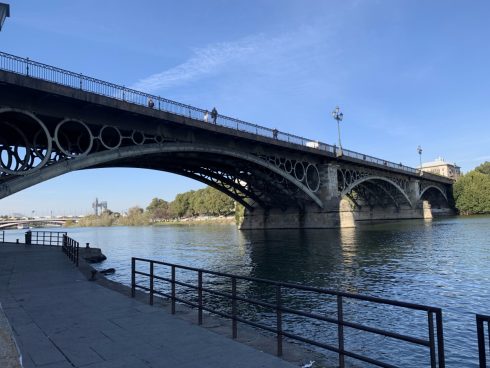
column 156, row 284
column 481, row 321
column 34, row 69
column 53, row 238
column 2, row 236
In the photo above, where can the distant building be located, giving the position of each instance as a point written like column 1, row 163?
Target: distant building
column 443, row 168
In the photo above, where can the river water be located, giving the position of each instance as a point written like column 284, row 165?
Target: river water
column 442, row 263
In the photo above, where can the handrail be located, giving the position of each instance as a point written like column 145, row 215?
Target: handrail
column 52, row 238
column 71, row 248
column 34, row 69
column 435, row 341
column 480, row 330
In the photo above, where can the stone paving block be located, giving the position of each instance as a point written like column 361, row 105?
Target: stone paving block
column 80, row 354
column 36, row 344
column 130, row 362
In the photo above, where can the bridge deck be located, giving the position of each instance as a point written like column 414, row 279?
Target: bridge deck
column 24, row 74
column 62, row 320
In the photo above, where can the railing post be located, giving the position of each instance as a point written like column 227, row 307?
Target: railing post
column 432, row 344
column 81, row 76
column 77, row 253
column 133, row 277
column 340, row 330
column 279, row 320
column 27, row 67
column 481, row 342
column 173, row 289
column 151, row 282
column 199, row 296
column 28, row 237
column 233, row 307
column 440, row 340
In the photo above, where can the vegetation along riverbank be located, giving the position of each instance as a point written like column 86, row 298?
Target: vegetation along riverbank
column 204, row 206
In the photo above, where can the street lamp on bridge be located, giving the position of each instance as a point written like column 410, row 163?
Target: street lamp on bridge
column 337, row 115
column 419, row 150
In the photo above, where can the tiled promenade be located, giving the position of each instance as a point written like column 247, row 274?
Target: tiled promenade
column 61, row 320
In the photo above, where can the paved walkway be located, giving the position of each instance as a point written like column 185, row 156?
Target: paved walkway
column 62, row 320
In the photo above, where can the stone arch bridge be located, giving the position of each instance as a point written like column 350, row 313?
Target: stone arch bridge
column 53, row 121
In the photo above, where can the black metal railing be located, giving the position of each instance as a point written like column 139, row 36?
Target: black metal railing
column 34, row 69
column 71, row 248
column 481, row 321
column 2, row 236
column 156, row 282
column 53, row 238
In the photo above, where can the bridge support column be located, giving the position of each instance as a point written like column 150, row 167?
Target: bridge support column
column 413, row 192
column 311, row 216
column 420, row 207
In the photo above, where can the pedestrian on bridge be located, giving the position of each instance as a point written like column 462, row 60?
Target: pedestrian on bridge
column 151, row 104
column 214, row 114
column 206, row 116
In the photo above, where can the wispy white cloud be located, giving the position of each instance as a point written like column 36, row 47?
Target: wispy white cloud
column 215, row 57
column 203, row 61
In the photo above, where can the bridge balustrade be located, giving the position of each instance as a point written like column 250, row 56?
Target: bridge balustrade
column 165, row 282
column 2, row 236
column 34, row 69
column 481, row 321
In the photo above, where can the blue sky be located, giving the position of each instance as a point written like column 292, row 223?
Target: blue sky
column 404, row 72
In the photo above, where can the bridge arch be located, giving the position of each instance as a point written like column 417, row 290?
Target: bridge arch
column 121, row 157
column 374, row 180
column 433, row 187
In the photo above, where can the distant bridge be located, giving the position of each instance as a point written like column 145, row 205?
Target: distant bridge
column 46, row 222
column 54, row 121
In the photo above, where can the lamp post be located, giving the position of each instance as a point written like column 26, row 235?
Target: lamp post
column 419, row 150
column 337, row 115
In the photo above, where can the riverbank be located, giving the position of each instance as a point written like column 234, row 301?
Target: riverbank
column 102, row 221
column 40, row 290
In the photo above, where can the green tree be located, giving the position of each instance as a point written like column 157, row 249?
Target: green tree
column 158, row 209
column 180, row 206
column 484, row 168
column 134, row 217
column 472, row 193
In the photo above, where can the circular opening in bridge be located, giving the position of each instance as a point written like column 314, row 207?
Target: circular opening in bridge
column 288, row 166
column 312, row 178
column 158, row 139
column 25, row 142
column 110, row 137
column 73, row 138
column 138, row 137
column 299, row 171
